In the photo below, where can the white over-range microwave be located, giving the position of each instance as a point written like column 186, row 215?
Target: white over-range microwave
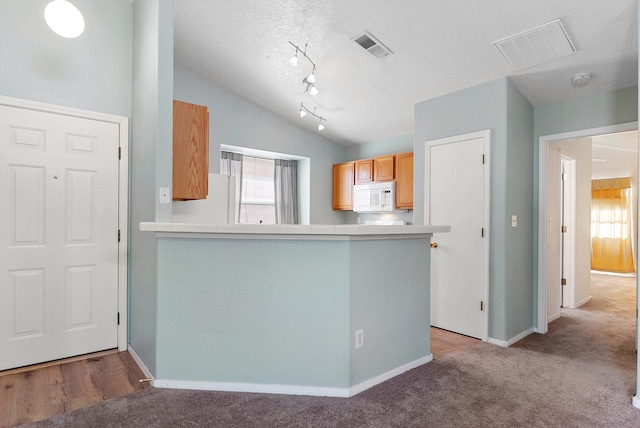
column 374, row 197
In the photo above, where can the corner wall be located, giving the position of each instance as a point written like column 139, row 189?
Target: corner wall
column 150, row 161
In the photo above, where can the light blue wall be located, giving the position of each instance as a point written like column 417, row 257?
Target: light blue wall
column 91, row 72
column 291, row 318
column 602, row 109
column 151, row 164
column 390, row 302
column 519, row 240
column 387, row 146
column 236, row 121
column 283, row 321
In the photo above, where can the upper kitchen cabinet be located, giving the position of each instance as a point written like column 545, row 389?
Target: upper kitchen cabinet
column 190, row 151
column 404, row 180
column 343, row 179
column 364, row 171
column 383, row 168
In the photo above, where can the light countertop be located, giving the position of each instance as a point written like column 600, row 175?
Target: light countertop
column 341, row 230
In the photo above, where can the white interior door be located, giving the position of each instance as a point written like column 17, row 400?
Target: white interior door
column 457, row 195
column 58, row 236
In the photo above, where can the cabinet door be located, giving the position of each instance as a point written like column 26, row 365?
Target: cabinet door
column 364, row 171
column 383, row 168
column 343, row 175
column 404, row 180
column 190, row 151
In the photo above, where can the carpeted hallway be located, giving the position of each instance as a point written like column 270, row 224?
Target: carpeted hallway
column 580, row 374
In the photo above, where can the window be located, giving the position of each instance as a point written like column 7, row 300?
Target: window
column 257, row 202
column 611, row 247
column 266, row 187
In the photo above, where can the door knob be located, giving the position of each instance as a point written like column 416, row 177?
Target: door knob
column 434, row 245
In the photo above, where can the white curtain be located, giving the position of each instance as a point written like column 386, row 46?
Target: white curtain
column 286, row 187
column 231, row 164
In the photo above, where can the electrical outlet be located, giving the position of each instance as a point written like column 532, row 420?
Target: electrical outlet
column 359, row 338
column 165, row 195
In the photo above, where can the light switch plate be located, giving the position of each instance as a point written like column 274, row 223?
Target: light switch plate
column 514, row 221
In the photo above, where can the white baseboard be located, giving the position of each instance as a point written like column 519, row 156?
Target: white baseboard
column 636, row 402
column 140, row 363
column 318, row 391
column 583, row 301
column 511, row 341
column 388, row 375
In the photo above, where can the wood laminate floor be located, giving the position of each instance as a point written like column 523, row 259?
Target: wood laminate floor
column 444, row 342
column 34, row 393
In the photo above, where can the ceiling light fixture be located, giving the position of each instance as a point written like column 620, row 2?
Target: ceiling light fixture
column 309, row 83
column 304, row 110
column 64, row 18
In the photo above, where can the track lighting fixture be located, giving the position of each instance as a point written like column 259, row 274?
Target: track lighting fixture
column 309, row 83
column 304, row 110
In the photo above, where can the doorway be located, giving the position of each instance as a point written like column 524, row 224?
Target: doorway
column 548, row 262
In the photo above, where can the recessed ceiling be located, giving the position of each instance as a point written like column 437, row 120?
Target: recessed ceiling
column 438, row 47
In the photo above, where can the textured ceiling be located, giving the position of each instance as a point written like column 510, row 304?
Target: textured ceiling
column 438, row 46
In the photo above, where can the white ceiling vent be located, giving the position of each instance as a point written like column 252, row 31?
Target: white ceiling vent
column 372, row 45
column 536, row 46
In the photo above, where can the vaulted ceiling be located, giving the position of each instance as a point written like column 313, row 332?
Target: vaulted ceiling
column 438, row 47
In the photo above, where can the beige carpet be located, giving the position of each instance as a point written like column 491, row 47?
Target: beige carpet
column 580, row 374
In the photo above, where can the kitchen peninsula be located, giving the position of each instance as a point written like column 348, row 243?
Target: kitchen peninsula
column 296, row 309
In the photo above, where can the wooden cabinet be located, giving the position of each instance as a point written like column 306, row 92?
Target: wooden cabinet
column 404, row 180
column 383, row 168
column 343, row 180
column 364, row 171
column 190, row 151
column 398, row 167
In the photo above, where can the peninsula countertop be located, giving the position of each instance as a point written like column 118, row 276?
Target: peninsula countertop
column 344, row 231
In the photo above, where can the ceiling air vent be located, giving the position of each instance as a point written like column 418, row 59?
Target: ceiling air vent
column 372, row 45
column 536, row 46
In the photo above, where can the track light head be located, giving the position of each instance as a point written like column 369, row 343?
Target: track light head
column 302, row 113
column 294, row 60
column 312, row 77
column 320, row 127
column 313, row 90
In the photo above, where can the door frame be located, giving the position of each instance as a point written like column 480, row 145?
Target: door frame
column 123, row 191
column 486, row 137
column 568, row 219
column 543, row 150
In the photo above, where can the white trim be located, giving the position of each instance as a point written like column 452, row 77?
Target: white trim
column 583, row 301
column 486, row 136
column 318, row 391
column 123, row 191
column 543, row 150
column 636, row 402
column 356, row 389
column 139, row 362
column 511, row 341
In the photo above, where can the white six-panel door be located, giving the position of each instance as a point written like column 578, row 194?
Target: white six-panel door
column 58, row 236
